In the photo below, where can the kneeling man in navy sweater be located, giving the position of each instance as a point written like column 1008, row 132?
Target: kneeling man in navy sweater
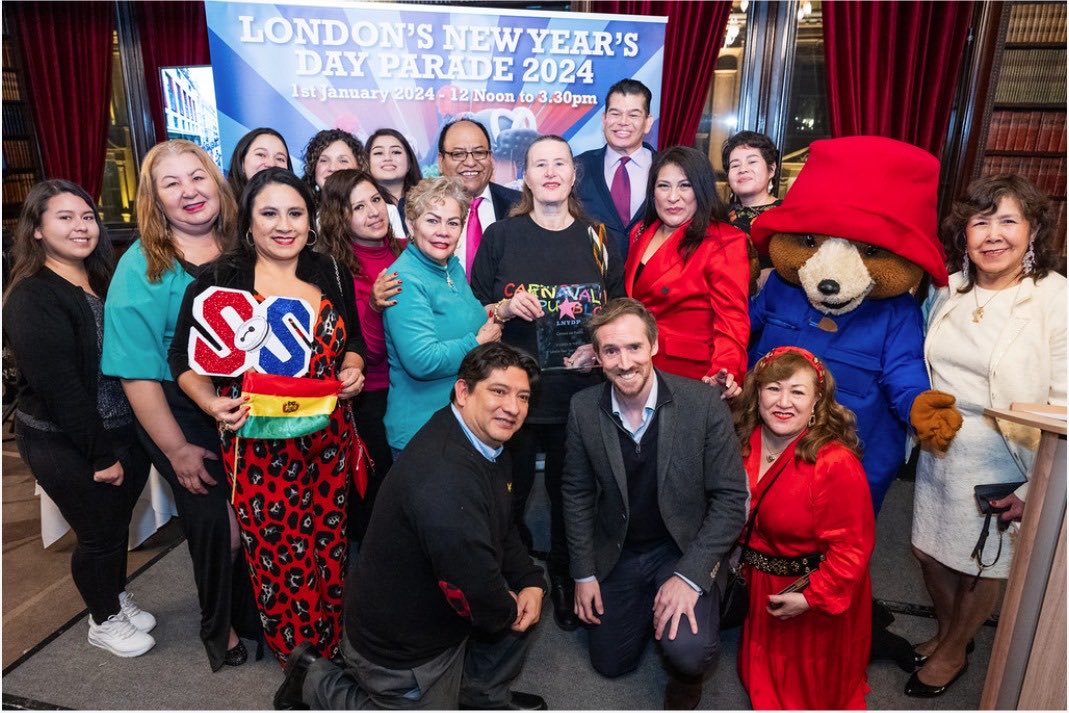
column 443, row 595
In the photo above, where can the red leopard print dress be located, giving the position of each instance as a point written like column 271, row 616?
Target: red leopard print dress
column 289, row 496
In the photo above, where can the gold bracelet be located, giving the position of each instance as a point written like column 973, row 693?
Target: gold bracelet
column 497, row 311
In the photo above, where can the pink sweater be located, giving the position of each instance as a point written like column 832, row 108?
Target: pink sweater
column 372, row 262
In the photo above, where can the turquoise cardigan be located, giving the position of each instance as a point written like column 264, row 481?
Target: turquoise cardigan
column 140, row 318
column 428, row 332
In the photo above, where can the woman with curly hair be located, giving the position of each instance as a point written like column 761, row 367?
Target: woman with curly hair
column 996, row 334
column 186, row 218
column 355, row 230
column 806, row 545
column 328, row 151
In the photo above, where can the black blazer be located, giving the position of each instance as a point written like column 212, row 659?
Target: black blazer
column 597, row 201
column 702, row 489
column 51, row 329
column 504, row 199
column 238, row 272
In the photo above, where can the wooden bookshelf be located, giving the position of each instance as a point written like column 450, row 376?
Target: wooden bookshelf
column 1025, row 131
column 21, row 156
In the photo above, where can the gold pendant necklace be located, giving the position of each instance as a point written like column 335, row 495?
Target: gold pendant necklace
column 978, row 313
column 771, row 457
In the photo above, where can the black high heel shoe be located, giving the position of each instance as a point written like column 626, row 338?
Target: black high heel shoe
column 236, row 656
column 916, row 688
column 920, row 659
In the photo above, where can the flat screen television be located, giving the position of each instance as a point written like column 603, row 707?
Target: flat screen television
column 189, row 107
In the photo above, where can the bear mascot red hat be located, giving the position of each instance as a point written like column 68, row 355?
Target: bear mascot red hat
column 853, row 237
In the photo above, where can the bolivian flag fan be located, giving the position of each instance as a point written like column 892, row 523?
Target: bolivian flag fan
column 286, row 406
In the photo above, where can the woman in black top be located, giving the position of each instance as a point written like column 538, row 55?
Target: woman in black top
column 74, row 426
column 543, row 271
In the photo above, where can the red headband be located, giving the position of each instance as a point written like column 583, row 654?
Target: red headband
column 814, row 362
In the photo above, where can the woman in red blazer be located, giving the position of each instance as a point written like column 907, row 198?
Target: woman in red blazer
column 689, row 266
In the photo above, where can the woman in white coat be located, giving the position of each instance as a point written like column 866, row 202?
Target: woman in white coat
column 996, row 335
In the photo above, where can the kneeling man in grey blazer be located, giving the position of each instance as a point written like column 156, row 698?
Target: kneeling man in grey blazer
column 654, row 496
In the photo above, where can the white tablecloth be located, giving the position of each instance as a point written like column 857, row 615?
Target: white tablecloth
column 153, row 510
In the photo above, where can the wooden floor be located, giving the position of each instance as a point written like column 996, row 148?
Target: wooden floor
column 38, row 593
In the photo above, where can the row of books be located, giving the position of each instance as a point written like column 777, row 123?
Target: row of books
column 9, row 225
column 1030, row 131
column 1048, row 174
column 1037, row 22
column 1059, row 226
column 18, row 154
column 14, row 120
column 17, row 186
column 1032, row 77
column 11, row 87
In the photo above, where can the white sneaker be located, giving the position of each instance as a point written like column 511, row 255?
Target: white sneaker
column 137, row 616
column 119, row 636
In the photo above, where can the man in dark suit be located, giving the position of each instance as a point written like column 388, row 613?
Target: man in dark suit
column 464, row 151
column 612, row 179
column 654, row 496
column 443, row 594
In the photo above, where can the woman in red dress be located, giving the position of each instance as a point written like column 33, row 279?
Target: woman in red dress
column 806, row 649
column 690, row 268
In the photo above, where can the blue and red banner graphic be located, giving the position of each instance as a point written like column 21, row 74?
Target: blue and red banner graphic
column 300, row 67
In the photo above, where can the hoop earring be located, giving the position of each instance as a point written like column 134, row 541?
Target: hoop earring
column 248, row 238
column 1028, row 262
column 315, row 237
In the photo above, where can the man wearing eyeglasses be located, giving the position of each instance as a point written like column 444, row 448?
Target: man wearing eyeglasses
column 464, row 152
column 612, row 183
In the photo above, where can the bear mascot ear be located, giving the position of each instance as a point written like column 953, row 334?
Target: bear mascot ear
column 868, row 189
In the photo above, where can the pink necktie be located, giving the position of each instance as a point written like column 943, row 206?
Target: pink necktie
column 621, row 191
column 475, row 234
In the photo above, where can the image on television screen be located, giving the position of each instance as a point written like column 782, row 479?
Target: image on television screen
column 189, row 106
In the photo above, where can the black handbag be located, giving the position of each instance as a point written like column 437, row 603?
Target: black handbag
column 984, row 494
column 735, row 599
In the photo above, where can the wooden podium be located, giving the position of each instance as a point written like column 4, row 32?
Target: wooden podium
column 1028, row 661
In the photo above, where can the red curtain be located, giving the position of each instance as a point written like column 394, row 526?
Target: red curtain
column 692, row 42
column 172, row 33
column 66, row 48
column 893, row 66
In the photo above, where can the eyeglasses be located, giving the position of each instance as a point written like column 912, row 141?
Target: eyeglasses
column 459, row 155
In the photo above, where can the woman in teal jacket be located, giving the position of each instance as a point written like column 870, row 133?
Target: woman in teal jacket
column 437, row 319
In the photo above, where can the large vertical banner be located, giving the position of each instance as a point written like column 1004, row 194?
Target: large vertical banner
column 300, row 67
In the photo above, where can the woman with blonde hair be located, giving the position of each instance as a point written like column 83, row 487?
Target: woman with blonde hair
column 186, row 218
column 807, row 542
column 437, row 319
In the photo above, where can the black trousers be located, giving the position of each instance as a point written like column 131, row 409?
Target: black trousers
column 223, row 588
column 99, row 513
column 524, row 447
column 369, row 410
column 627, row 593
column 477, row 673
